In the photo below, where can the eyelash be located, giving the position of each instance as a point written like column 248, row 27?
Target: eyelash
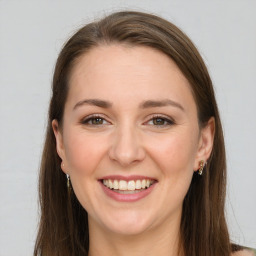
column 167, row 121
column 91, row 118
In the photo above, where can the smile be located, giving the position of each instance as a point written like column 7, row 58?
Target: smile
column 128, row 187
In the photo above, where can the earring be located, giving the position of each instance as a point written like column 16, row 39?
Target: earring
column 68, row 182
column 201, row 167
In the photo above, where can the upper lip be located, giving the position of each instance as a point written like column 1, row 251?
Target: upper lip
column 127, row 178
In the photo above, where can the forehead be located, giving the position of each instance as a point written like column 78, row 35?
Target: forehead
column 119, row 72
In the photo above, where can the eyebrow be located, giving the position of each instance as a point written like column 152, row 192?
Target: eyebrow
column 143, row 105
column 93, row 102
column 160, row 103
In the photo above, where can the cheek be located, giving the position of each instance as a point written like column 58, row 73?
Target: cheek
column 83, row 153
column 174, row 153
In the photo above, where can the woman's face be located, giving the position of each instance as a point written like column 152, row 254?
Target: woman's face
column 130, row 122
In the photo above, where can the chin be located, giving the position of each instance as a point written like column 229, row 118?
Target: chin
column 128, row 224
column 126, row 229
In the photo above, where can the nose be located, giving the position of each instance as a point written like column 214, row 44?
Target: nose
column 126, row 147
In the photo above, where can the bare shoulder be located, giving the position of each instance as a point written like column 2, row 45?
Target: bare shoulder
column 244, row 252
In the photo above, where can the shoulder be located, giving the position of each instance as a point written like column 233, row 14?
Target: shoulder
column 244, row 252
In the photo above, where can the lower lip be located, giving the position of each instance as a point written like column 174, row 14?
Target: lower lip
column 127, row 197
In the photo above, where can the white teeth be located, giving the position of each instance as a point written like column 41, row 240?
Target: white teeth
column 116, row 185
column 138, row 184
column 143, row 184
column 122, row 185
column 110, row 184
column 131, row 185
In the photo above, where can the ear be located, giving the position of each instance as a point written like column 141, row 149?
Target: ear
column 59, row 142
column 205, row 143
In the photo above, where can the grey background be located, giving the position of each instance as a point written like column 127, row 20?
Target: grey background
column 31, row 35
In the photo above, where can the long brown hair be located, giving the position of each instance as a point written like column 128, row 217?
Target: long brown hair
column 63, row 226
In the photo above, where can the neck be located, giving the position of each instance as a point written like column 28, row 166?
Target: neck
column 161, row 241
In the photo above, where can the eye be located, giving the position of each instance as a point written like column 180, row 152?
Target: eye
column 94, row 120
column 160, row 121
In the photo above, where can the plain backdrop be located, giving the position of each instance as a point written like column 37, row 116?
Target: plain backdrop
column 31, row 36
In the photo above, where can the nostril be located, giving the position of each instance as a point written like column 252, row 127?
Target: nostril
column 126, row 149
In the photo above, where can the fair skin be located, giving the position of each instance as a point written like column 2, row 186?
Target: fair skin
column 146, row 125
column 244, row 253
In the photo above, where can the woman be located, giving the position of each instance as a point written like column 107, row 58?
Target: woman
column 134, row 158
